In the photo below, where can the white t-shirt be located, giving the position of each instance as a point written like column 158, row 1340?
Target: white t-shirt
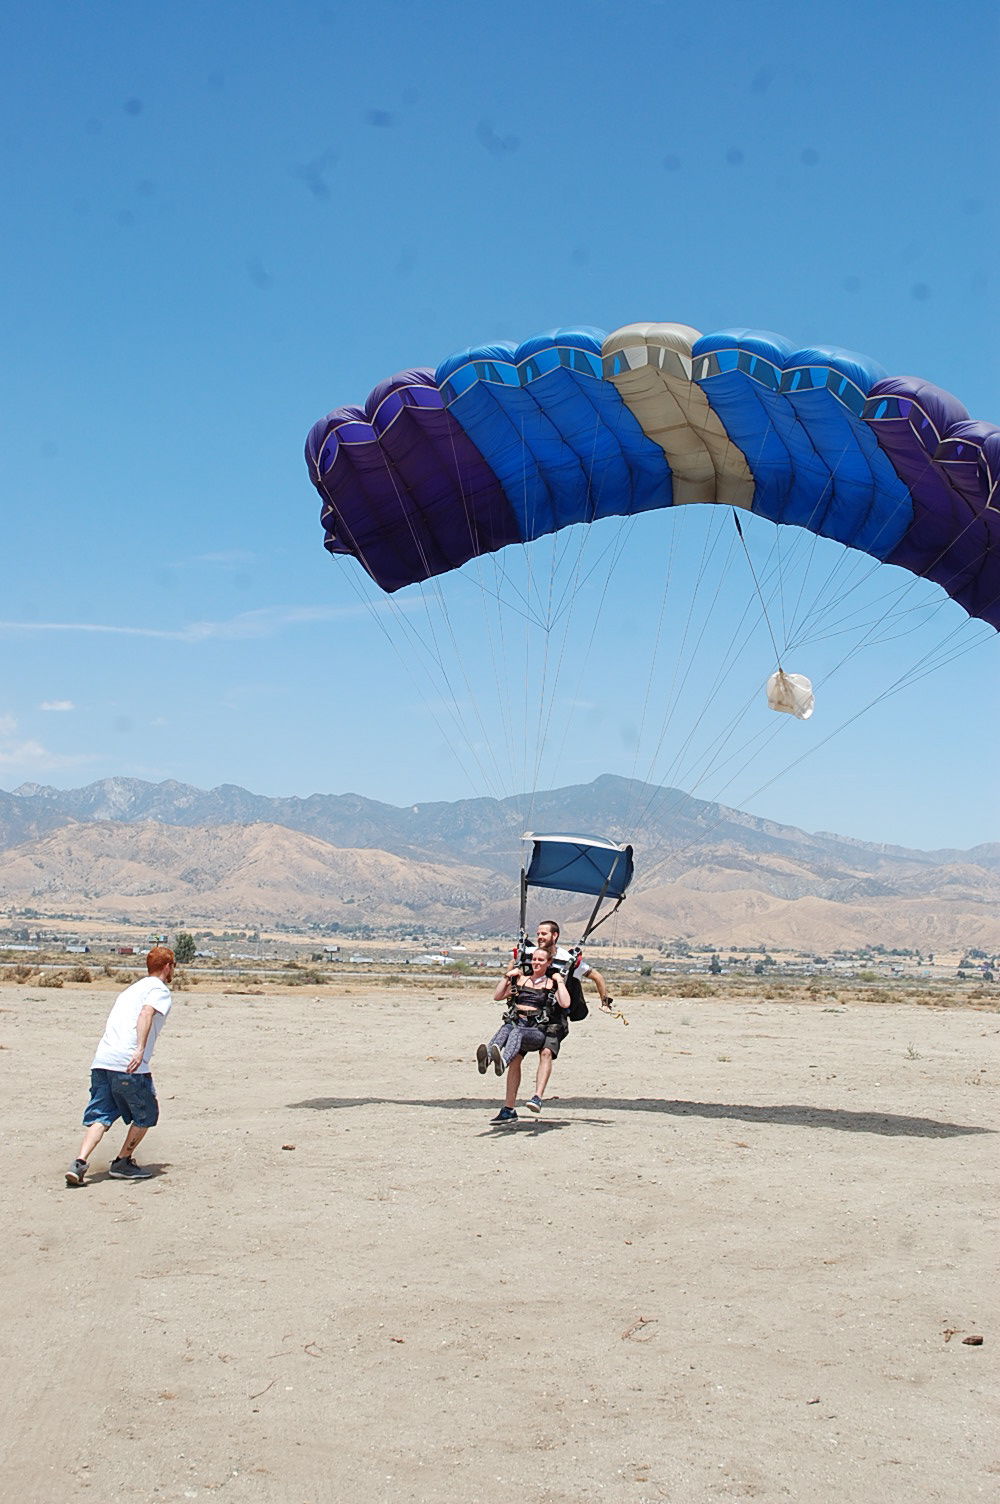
column 580, row 970
column 121, row 1040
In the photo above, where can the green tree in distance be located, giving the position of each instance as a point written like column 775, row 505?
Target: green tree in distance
column 184, row 947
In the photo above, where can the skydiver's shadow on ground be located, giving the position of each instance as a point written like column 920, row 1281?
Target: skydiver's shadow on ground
column 886, row 1124
column 534, row 1127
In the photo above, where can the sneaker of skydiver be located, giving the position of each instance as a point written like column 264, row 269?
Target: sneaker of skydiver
column 490, row 1054
column 127, row 1169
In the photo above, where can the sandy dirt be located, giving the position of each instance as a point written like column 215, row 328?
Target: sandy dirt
column 734, row 1260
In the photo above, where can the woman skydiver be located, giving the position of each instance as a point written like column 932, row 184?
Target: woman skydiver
column 536, row 1019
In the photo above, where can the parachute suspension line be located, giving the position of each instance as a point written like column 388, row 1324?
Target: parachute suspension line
column 760, row 593
column 529, row 592
column 571, row 587
column 893, row 608
column 672, row 696
column 903, row 682
column 817, row 622
column 510, row 716
column 804, row 571
column 565, row 720
column 810, row 528
column 933, row 667
column 754, row 745
column 899, row 593
column 855, row 619
column 545, row 692
column 612, row 548
column 510, row 712
column 506, row 718
column 671, row 554
column 826, row 490
column 562, row 603
column 711, row 764
column 917, row 670
column 541, row 696
column 722, row 739
column 727, row 665
column 549, row 697
column 780, row 572
column 931, row 662
column 408, row 633
column 692, row 779
column 437, row 593
column 534, row 709
column 814, row 534
column 617, row 550
column 433, row 651
column 491, row 780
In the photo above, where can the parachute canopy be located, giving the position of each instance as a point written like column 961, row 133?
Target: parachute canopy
column 503, row 444
column 579, row 864
column 791, row 693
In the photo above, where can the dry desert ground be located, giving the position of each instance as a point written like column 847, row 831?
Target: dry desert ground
column 736, row 1259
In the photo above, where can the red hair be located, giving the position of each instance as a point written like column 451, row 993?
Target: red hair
column 159, row 958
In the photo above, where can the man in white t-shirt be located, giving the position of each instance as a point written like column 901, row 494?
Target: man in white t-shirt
column 547, row 936
column 121, row 1084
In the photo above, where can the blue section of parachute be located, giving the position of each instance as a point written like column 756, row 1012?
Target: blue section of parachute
column 564, row 446
column 797, row 417
column 574, row 864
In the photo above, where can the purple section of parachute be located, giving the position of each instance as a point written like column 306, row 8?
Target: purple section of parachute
column 952, row 467
column 404, row 489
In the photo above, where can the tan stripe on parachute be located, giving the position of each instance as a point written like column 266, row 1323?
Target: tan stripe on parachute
column 674, row 412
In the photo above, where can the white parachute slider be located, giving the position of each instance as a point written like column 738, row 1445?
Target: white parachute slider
column 791, row 693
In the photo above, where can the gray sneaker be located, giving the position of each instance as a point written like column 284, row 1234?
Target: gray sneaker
column 127, row 1169
column 482, row 1058
column 76, row 1172
column 497, row 1058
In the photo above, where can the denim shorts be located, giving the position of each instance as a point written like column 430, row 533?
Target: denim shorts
column 116, row 1094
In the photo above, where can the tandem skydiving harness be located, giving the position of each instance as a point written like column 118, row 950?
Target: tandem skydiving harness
column 532, row 1007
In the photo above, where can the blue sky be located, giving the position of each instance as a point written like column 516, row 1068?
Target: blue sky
column 222, row 221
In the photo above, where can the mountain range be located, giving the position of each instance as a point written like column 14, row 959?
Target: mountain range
column 169, row 852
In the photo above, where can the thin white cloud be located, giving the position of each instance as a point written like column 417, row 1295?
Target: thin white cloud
column 30, row 757
column 234, row 558
column 267, row 621
column 22, row 754
column 57, row 705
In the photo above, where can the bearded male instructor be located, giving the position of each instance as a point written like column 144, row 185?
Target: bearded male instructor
column 121, row 1083
column 547, row 936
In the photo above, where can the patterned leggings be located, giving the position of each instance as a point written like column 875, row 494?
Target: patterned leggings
column 521, row 1037
column 508, row 1037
